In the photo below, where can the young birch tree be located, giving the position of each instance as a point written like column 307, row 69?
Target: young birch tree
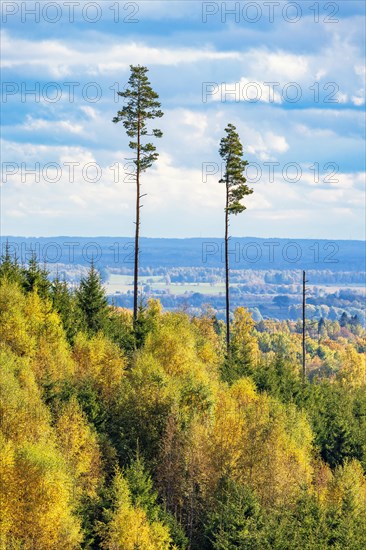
column 141, row 106
column 231, row 151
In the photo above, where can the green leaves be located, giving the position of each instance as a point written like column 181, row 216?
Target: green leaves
column 92, row 301
column 10, row 268
column 339, row 422
column 236, row 518
column 231, row 151
column 141, row 106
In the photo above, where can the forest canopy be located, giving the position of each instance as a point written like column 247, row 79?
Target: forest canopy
column 149, row 436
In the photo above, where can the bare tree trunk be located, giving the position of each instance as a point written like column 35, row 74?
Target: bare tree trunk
column 137, row 231
column 303, row 327
column 227, row 270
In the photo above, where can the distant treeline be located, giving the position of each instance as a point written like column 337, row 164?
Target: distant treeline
column 249, row 252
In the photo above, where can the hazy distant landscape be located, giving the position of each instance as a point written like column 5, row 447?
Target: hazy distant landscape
column 189, row 273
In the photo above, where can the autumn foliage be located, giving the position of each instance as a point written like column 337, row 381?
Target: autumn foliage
column 160, row 441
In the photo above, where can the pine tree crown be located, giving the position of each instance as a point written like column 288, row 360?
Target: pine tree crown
column 141, row 106
column 231, row 151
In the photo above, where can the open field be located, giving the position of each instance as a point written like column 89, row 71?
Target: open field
column 120, row 284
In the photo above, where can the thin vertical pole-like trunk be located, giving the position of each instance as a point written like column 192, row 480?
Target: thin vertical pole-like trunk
column 137, row 231
column 303, row 327
column 227, row 269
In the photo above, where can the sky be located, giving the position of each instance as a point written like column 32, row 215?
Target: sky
column 289, row 75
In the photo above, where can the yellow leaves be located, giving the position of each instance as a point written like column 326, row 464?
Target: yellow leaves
column 259, row 442
column 41, row 500
column 154, row 308
column 276, row 460
column 35, row 495
column 243, row 392
column 224, row 441
column 353, row 367
column 243, row 343
column 210, row 347
column 173, row 345
column 32, row 329
column 35, row 312
column 14, row 328
column 52, row 360
column 322, row 476
column 7, row 488
column 291, row 438
column 196, row 396
column 35, row 490
column 148, row 377
column 193, row 429
column 348, row 485
column 179, row 347
column 23, row 415
column 101, row 361
column 129, row 527
column 80, row 448
column 145, row 400
column 226, row 437
column 243, row 322
column 168, row 373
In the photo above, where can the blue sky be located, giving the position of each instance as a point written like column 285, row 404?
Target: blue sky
column 289, row 75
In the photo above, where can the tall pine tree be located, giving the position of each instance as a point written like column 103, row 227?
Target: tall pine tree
column 141, row 106
column 231, row 151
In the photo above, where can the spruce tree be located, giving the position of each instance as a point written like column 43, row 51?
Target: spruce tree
column 141, row 487
column 92, row 301
column 6, row 263
column 231, row 151
column 10, row 268
column 36, row 278
column 235, row 520
column 141, row 106
column 64, row 302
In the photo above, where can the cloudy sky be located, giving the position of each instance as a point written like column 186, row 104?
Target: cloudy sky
column 289, row 75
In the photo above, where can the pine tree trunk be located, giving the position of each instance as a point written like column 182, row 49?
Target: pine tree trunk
column 227, row 270
column 137, row 231
column 303, row 327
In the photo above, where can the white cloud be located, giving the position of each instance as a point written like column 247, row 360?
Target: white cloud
column 327, row 195
column 360, row 70
column 177, row 195
column 79, row 201
column 90, row 111
column 278, row 65
column 198, row 121
column 246, row 89
column 357, row 100
column 263, row 145
column 60, row 60
column 179, row 202
column 276, row 143
column 304, row 130
column 35, row 124
column 341, row 97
